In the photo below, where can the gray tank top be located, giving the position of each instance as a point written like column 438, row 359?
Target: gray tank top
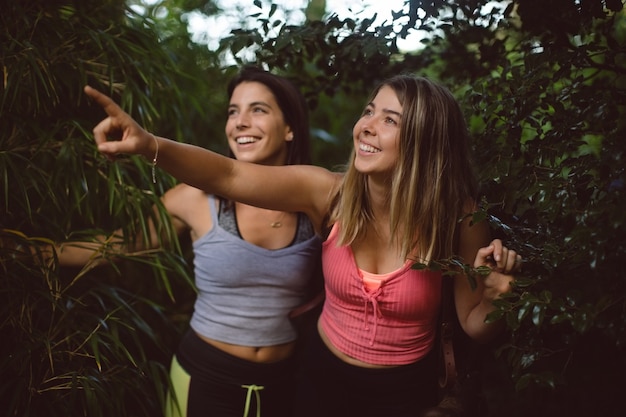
column 246, row 292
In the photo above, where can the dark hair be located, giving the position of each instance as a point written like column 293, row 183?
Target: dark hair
column 292, row 105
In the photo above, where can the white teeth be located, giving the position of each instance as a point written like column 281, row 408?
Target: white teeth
column 246, row 139
column 368, row 148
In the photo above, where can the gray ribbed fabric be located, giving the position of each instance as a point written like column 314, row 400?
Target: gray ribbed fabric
column 247, row 301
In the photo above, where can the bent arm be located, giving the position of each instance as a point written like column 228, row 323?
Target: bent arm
column 473, row 305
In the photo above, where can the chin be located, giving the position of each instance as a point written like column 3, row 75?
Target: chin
column 246, row 156
column 361, row 169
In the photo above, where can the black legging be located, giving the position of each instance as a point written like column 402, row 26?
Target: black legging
column 329, row 387
column 222, row 385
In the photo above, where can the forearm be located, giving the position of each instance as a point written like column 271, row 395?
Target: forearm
column 476, row 325
column 79, row 254
column 198, row 167
column 479, row 304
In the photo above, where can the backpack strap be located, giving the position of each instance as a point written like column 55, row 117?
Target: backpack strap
column 446, row 334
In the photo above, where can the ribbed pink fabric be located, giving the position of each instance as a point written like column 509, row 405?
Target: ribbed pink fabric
column 392, row 325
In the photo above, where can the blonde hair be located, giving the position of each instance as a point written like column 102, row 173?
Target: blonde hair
column 433, row 179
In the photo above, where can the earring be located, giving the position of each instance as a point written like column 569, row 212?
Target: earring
column 290, row 136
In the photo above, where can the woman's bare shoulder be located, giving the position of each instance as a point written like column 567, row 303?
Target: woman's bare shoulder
column 181, row 198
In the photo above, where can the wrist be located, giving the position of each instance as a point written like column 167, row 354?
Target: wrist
column 155, row 157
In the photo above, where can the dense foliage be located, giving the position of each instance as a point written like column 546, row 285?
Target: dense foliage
column 543, row 85
column 83, row 342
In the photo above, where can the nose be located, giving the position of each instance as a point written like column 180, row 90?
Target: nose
column 242, row 121
column 367, row 127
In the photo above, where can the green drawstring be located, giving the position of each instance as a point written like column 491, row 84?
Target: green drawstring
column 256, row 389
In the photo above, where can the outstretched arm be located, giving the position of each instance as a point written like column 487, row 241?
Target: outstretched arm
column 290, row 188
column 79, row 254
column 95, row 251
column 180, row 209
column 43, row 251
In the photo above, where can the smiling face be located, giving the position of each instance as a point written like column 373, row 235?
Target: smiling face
column 256, row 128
column 376, row 135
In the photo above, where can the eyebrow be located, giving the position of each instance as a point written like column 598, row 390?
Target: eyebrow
column 254, row 103
column 384, row 110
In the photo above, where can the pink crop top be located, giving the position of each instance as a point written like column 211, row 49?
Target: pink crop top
column 393, row 323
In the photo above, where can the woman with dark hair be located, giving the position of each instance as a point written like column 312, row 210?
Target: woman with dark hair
column 292, row 105
column 407, row 197
column 252, row 266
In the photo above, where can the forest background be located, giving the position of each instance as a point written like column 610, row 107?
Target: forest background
column 543, row 86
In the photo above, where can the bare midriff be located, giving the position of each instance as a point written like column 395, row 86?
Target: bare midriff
column 347, row 359
column 261, row 354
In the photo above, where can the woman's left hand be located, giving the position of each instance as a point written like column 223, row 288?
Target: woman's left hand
column 502, row 262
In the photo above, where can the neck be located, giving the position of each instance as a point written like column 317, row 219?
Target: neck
column 378, row 194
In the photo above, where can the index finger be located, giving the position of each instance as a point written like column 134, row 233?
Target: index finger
column 109, row 106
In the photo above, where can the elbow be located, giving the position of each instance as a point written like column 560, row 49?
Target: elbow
column 482, row 331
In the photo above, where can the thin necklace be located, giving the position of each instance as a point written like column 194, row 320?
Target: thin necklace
column 278, row 222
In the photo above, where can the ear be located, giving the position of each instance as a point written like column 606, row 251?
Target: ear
column 289, row 135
